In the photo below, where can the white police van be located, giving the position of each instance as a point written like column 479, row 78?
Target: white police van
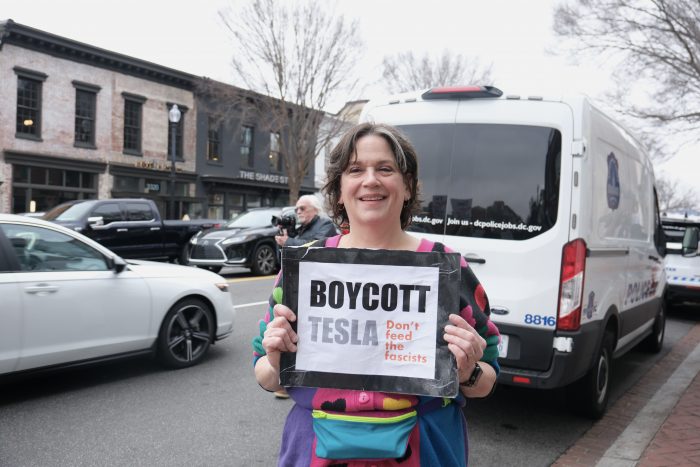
column 553, row 204
column 682, row 260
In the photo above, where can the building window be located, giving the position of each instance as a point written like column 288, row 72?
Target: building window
column 85, row 109
column 275, row 156
column 37, row 189
column 247, row 155
column 133, row 111
column 213, row 153
column 29, row 84
column 179, row 130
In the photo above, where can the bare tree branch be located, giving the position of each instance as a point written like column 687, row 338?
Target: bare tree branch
column 656, row 42
column 301, row 55
column 673, row 198
column 407, row 72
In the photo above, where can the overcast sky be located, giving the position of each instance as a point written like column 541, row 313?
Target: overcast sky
column 188, row 35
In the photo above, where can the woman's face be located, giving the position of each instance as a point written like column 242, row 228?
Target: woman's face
column 372, row 187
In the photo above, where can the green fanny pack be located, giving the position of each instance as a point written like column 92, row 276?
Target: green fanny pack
column 343, row 436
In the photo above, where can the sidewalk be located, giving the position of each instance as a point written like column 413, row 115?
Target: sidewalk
column 656, row 423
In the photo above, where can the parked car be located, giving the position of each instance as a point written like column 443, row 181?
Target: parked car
column 248, row 240
column 554, row 207
column 682, row 260
column 130, row 227
column 68, row 300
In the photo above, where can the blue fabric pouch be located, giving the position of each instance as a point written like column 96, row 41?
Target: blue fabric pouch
column 343, row 436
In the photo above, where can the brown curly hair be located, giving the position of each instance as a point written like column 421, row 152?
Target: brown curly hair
column 344, row 152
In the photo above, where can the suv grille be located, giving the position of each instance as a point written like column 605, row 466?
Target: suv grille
column 206, row 252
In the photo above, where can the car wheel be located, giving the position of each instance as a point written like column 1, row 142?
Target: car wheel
column 264, row 260
column 654, row 342
column 185, row 334
column 589, row 395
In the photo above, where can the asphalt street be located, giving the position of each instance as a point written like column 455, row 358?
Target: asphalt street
column 134, row 413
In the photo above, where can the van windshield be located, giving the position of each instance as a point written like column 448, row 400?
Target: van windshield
column 487, row 180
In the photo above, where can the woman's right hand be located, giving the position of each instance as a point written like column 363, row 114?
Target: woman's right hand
column 279, row 336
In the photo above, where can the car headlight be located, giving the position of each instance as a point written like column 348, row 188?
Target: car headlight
column 236, row 240
column 193, row 239
column 223, row 286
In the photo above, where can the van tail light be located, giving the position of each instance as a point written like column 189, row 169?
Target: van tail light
column 573, row 265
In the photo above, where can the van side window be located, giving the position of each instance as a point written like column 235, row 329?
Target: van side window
column 488, row 180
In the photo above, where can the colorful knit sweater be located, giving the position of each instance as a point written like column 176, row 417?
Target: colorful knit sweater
column 439, row 437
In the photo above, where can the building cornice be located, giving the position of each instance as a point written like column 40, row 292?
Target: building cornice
column 40, row 41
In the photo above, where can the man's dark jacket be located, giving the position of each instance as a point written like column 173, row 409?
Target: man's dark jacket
column 319, row 227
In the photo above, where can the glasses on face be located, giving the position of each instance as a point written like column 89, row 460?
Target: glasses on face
column 300, row 209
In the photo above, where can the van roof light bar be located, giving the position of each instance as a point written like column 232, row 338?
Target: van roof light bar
column 462, row 92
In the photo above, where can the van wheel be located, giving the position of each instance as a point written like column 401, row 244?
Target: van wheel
column 655, row 341
column 589, row 396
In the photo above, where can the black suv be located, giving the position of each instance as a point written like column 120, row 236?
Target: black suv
column 248, row 240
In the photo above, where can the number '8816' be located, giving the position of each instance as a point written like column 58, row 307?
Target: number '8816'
column 540, row 320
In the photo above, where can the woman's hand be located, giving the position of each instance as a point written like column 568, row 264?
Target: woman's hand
column 279, row 336
column 468, row 347
column 465, row 344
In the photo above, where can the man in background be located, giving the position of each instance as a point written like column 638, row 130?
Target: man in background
column 313, row 226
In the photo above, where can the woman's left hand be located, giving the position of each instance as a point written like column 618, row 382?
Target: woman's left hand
column 465, row 344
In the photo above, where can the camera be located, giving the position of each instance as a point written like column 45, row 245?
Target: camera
column 287, row 222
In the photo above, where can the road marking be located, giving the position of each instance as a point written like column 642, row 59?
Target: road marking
column 251, row 304
column 245, row 279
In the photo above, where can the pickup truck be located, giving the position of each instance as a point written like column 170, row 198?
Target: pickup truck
column 130, row 227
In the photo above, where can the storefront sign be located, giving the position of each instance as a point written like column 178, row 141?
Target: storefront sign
column 155, row 165
column 263, row 177
column 371, row 320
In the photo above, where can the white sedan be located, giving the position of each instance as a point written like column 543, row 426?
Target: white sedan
column 65, row 299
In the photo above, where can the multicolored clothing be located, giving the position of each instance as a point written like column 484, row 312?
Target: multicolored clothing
column 439, row 437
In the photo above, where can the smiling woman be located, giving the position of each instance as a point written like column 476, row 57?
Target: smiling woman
column 373, row 185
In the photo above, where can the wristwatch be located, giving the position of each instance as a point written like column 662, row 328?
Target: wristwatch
column 473, row 378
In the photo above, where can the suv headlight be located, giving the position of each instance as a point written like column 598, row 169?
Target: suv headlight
column 193, row 239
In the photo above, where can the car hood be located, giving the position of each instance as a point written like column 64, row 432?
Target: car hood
column 222, row 233
column 157, row 269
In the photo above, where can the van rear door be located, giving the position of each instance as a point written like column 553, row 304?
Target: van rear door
column 496, row 186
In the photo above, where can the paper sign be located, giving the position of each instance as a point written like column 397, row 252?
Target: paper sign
column 371, row 319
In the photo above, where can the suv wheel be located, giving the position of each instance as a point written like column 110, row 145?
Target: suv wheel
column 264, row 260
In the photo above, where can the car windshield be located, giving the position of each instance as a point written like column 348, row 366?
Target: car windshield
column 68, row 212
column 253, row 219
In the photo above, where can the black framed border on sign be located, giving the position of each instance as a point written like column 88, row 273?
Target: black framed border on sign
column 371, row 320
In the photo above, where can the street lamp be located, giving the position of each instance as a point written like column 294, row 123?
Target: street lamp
column 174, row 117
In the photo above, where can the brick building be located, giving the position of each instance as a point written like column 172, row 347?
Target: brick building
column 80, row 122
